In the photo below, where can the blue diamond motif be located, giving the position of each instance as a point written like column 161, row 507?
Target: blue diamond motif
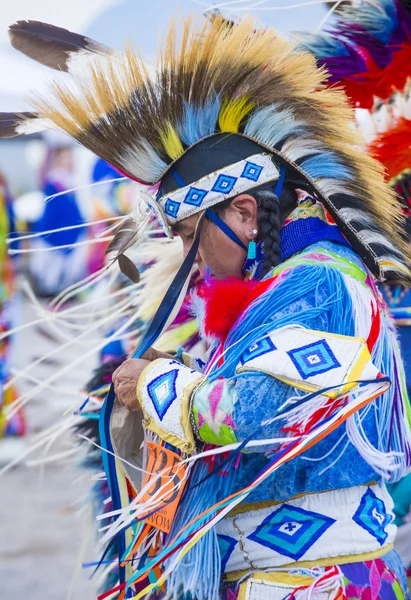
column 224, row 184
column 291, row 531
column 162, row 392
column 172, row 207
column 372, row 516
column 251, row 171
column 258, row 349
column 226, row 545
column 195, row 196
column 313, row 359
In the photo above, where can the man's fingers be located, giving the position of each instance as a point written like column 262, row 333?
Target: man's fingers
column 116, row 372
column 149, row 354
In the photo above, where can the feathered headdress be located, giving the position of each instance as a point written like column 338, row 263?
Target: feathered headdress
column 226, row 109
column 393, row 149
column 367, row 49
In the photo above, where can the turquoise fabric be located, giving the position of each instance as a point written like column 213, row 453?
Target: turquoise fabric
column 316, row 297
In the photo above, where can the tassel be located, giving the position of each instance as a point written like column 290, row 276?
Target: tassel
column 199, row 572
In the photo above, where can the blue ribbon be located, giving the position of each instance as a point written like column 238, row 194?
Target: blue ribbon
column 224, row 227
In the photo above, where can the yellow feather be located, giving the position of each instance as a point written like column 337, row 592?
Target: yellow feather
column 232, row 113
column 171, row 141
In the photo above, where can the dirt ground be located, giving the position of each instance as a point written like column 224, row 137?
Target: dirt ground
column 45, row 529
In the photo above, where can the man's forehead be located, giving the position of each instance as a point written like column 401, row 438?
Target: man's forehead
column 186, row 224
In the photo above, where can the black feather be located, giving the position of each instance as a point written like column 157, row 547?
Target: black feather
column 128, row 268
column 124, row 237
column 102, row 375
column 10, row 123
column 50, row 45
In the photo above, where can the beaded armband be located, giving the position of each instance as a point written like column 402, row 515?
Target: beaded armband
column 164, row 391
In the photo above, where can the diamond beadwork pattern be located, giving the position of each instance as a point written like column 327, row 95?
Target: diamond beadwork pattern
column 251, row 171
column 291, row 531
column 171, row 207
column 224, row 184
column 195, row 196
column 313, row 359
column 226, row 545
column 258, row 349
column 162, row 392
column 372, row 516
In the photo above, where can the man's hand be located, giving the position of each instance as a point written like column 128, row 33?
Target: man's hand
column 152, row 354
column 125, row 380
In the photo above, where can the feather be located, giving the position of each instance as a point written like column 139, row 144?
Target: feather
column 226, row 300
column 137, row 124
column 125, row 236
column 16, row 124
column 232, row 114
column 128, row 268
column 367, row 49
column 53, row 46
column 392, row 149
column 273, row 124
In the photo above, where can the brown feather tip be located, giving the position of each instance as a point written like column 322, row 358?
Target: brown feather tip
column 16, row 124
column 52, row 46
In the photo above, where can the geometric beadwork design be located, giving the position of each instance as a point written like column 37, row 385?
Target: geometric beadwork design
column 195, row 196
column 162, row 392
column 224, row 184
column 258, row 349
column 251, row 171
column 226, row 545
column 313, row 359
column 171, row 208
column 372, row 516
column 291, row 531
column 207, row 191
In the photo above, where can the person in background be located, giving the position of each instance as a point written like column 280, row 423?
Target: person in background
column 14, row 429
column 61, row 210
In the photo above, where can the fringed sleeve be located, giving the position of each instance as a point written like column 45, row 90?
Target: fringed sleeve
column 228, row 407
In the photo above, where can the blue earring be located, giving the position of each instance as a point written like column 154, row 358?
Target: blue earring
column 252, row 248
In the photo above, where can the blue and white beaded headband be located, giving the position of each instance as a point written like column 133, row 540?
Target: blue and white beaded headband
column 212, row 189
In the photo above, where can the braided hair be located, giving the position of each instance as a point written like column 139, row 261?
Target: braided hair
column 271, row 213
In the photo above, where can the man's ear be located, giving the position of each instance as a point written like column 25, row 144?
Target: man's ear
column 246, row 206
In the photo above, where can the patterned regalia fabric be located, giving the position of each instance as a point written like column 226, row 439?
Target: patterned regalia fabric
column 274, row 454
column 325, row 514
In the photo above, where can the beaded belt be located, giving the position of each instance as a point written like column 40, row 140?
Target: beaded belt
column 338, row 523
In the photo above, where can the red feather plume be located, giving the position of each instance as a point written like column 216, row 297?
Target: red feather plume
column 226, row 300
column 393, row 149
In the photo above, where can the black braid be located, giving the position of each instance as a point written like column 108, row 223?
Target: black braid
column 272, row 211
column 269, row 224
column 271, row 214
